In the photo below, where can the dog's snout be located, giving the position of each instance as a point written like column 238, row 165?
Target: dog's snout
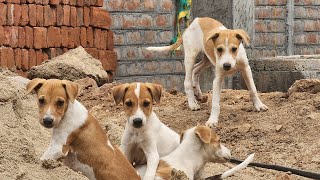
column 48, row 122
column 226, row 66
column 137, row 122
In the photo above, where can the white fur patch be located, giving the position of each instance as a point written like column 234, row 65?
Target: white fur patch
column 137, row 91
column 238, row 167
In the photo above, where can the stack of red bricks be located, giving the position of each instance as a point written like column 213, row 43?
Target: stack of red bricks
column 32, row 31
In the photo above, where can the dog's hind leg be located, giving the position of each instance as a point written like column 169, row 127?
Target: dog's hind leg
column 198, row 69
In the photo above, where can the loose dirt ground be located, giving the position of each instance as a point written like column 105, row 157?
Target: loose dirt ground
column 287, row 134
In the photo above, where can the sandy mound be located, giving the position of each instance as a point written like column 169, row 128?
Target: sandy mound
column 72, row 65
column 305, row 85
column 22, row 138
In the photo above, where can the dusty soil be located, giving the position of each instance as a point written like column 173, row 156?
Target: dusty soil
column 287, row 134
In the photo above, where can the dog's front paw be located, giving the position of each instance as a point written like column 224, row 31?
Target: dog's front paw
column 211, row 123
column 259, row 106
column 194, row 106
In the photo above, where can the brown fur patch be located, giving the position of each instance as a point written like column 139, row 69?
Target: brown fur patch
column 164, row 170
column 89, row 142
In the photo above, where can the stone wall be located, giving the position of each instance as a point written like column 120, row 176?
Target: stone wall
column 32, row 31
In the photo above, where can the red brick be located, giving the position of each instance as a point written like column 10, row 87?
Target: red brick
column 93, row 52
column 10, row 15
column 115, row 5
column 70, row 38
column 45, row 2
column 45, row 56
column 83, row 37
column 2, row 35
column 73, row 16
column 39, row 57
column 93, row 2
column 311, row 38
column 65, row 2
column 54, row 37
column 40, row 37
column 110, row 43
column 108, row 60
column 262, row 12
column 29, row 37
column 86, row 16
column 52, row 52
column 16, row 14
column 32, row 58
column 145, row 20
column 100, row 18
column 13, row 1
column 90, row 37
column 79, row 16
column 66, row 15
column 104, row 40
column 80, row 3
column 59, row 15
column 22, row 37
column 99, row 3
column 54, row 2
column 22, row 1
column 7, row 57
column 11, row 36
column 31, row 1
column 76, row 36
column 39, row 15
column 25, row 60
column 3, row 14
column 167, row 5
column 132, row 5
column 24, row 20
column 32, row 14
column 161, row 20
column 72, row 2
column 65, row 36
column 64, row 50
column 87, row 2
column 38, row 2
column 97, row 38
column 50, row 16
column 17, row 57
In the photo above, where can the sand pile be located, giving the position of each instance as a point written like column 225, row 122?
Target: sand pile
column 22, row 138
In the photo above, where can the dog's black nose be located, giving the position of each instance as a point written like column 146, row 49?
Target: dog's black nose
column 137, row 122
column 226, row 66
column 47, row 122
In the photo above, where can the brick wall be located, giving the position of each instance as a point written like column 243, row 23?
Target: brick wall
column 136, row 25
column 307, row 27
column 272, row 26
column 32, row 31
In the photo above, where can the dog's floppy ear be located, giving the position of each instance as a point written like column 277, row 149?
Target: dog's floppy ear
column 242, row 36
column 34, row 84
column 71, row 89
column 204, row 133
column 213, row 35
column 155, row 90
column 119, row 91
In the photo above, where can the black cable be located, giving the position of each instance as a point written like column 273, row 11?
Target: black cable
column 307, row 174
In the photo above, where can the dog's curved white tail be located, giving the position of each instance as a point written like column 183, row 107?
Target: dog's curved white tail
column 166, row 48
column 244, row 164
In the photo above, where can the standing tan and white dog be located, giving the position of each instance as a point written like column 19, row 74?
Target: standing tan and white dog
column 145, row 137
column 199, row 145
column 76, row 135
column 223, row 48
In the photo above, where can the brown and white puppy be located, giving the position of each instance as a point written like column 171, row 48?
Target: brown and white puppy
column 145, row 137
column 199, row 145
column 222, row 48
column 76, row 135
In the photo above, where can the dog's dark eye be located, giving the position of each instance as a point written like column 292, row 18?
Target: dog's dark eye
column 220, row 50
column 234, row 49
column 60, row 102
column 146, row 103
column 41, row 101
column 129, row 103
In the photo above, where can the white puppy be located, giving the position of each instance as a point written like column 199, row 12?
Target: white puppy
column 145, row 138
column 222, row 48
